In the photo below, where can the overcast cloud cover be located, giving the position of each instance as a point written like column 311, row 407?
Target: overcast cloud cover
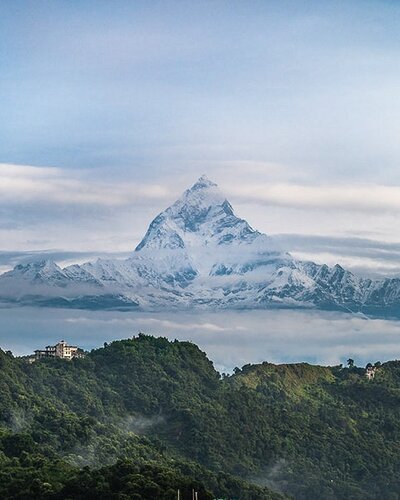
column 111, row 109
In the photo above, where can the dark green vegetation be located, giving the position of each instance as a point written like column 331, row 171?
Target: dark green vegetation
column 145, row 417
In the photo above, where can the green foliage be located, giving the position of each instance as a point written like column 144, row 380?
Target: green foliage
column 142, row 418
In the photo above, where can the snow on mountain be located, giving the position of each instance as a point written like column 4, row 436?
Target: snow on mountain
column 202, row 232
column 44, row 283
column 198, row 253
column 45, row 272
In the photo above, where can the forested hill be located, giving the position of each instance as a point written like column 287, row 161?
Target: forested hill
column 144, row 417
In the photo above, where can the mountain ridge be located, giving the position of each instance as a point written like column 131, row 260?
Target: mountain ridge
column 198, row 253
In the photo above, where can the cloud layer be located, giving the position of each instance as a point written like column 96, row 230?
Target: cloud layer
column 24, row 184
column 71, row 214
column 355, row 197
column 140, row 88
column 29, row 184
column 230, row 338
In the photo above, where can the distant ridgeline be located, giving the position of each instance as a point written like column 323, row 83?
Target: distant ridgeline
column 144, row 418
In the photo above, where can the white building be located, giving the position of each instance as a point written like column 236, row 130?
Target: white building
column 60, row 350
column 370, row 372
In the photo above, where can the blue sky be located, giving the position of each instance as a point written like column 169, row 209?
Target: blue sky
column 110, row 109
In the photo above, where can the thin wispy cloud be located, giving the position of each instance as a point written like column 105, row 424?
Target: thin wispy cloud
column 156, row 323
column 364, row 198
column 362, row 255
column 24, row 183
column 95, row 218
column 229, row 338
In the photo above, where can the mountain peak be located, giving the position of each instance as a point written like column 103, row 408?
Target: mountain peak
column 38, row 271
column 200, row 203
column 201, row 196
column 200, row 217
column 203, row 182
column 41, row 264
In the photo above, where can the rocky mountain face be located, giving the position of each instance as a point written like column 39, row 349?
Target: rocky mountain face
column 198, row 253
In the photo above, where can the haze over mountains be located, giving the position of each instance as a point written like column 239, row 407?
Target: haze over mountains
column 198, row 254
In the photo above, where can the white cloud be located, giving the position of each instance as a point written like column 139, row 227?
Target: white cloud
column 25, row 183
column 55, row 185
column 44, row 208
column 158, row 323
column 242, row 337
column 370, row 198
column 364, row 266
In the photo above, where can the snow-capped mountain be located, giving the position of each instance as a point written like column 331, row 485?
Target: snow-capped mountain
column 200, row 235
column 198, row 253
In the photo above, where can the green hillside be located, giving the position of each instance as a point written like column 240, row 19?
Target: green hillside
column 142, row 418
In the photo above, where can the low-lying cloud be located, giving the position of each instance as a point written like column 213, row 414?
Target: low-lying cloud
column 363, row 256
column 237, row 338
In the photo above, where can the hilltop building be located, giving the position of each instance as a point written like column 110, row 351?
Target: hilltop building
column 60, row 350
column 370, row 372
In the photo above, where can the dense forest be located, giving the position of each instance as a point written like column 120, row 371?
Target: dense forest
column 146, row 417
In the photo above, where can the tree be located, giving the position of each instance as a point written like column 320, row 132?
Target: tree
column 350, row 363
